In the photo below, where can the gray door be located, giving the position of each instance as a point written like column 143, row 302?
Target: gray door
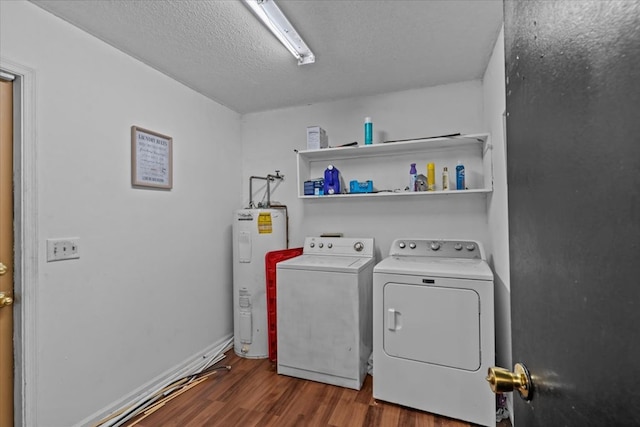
column 573, row 132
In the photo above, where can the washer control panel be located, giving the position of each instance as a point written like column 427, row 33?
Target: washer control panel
column 443, row 248
column 339, row 246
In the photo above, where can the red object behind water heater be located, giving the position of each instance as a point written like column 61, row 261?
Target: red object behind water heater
column 270, row 261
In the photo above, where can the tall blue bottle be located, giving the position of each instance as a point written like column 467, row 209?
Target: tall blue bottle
column 460, row 184
column 368, row 131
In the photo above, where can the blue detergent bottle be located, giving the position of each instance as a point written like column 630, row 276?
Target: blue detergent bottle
column 460, row 183
column 331, row 180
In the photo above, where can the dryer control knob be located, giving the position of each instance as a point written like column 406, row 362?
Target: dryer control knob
column 320, row 244
column 435, row 246
column 312, row 245
column 359, row 246
column 402, row 245
column 412, row 245
column 329, row 245
column 471, row 247
column 458, row 247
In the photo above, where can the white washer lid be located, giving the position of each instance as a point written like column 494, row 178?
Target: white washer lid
column 345, row 264
column 436, row 267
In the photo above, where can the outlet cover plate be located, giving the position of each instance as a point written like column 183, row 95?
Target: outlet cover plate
column 61, row 249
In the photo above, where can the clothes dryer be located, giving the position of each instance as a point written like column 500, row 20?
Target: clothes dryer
column 324, row 311
column 433, row 328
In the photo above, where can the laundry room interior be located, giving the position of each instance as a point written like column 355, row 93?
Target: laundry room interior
column 151, row 291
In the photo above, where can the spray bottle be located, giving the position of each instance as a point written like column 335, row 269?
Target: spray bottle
column 368, row 131
column 460, row 184
column 413, row 173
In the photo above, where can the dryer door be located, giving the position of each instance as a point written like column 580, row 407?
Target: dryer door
column 439, row 325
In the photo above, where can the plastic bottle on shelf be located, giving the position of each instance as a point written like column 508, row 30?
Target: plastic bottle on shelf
column 368, row 131
column 431, row 177
column 445, row 179
column 460, row 182
column 413, row 173
column 331, row 180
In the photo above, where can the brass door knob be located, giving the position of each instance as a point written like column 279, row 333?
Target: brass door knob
column 5, row 300
column 3, row 269
column 502, row 380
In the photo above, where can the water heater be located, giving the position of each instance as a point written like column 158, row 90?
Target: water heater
column 255, row 232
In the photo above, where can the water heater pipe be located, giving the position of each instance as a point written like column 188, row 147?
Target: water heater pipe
column 269, row 178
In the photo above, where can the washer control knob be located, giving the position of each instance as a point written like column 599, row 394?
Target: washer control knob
column 359, row 246
column 312, row 245
column 320, row 244
column 402, row 245
column 435, row 246
column 471, row 247
column 458, row 247
column 412, row 245
column 329, row 245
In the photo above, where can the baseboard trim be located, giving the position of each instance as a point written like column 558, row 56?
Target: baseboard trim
column 182, row 367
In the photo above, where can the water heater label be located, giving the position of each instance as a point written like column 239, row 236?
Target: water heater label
column 264, row 223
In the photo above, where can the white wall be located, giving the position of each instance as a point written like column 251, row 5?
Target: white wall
column 152, row 286
column 497, row 208
column 270, row 138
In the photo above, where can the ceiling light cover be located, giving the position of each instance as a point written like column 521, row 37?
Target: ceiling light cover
column 269, row 13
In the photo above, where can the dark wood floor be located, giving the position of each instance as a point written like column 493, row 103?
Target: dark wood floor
column 253, row 394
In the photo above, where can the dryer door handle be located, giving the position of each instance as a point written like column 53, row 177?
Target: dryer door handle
column 392, row 319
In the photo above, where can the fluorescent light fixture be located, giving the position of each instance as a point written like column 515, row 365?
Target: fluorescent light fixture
column 269, row 13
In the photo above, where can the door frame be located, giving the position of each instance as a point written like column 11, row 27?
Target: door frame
column 26, row 271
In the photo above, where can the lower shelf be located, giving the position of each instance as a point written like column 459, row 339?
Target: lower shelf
column 399, row 194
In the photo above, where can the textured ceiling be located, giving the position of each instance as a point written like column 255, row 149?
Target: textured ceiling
column 221, row 50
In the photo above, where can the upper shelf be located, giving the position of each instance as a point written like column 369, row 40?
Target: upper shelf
column 393, row 148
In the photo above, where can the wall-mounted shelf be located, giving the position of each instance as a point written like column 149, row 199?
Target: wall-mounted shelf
column 398, row 194
column 387, row 165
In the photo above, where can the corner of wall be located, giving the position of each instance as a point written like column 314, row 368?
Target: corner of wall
column 494, row 105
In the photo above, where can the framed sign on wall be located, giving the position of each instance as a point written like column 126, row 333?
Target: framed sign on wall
column 151, row 159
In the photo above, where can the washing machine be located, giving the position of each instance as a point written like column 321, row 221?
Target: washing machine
column 324, row 311
column 433, row 328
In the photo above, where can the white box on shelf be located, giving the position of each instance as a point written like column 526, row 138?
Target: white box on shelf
column 316, row 138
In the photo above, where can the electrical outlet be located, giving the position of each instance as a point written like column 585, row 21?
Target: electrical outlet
column 60, row 249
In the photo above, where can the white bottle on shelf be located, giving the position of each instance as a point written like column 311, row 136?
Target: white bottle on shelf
column 445, row 179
